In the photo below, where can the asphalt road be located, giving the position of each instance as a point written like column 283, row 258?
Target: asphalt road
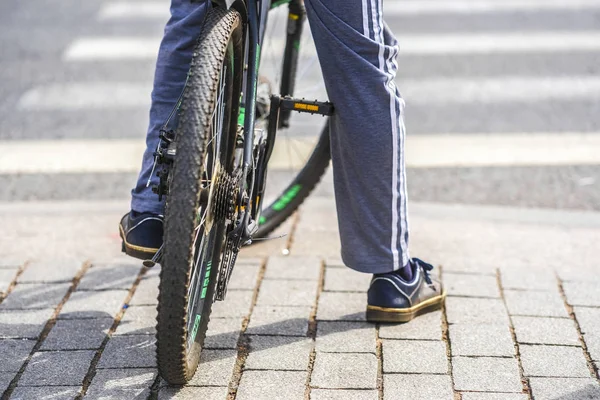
column 508, row 67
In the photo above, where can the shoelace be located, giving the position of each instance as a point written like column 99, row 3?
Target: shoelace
column 426, row 268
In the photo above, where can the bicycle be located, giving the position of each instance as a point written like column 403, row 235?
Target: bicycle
column 214, row 168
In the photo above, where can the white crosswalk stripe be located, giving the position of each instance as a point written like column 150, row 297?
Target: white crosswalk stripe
column 135, row 10
column 513, row 42
column 89, row 95
column 423, row 151
column 122, row 95
column 124, row 48
column 112, row 48
column 419, row 7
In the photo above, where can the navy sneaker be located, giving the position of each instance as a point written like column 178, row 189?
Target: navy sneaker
column 392, row 299
column 141, row 234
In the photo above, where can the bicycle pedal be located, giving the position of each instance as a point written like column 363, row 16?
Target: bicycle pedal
column 324, row 108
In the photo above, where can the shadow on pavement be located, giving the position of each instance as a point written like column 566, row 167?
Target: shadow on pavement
column 590, row 392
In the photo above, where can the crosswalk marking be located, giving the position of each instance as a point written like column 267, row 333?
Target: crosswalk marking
column 415, row 7
column 132, row 48
column 500, row 90
column 160, row 10
column 486, row 43
column 422, row 151
column 146, row 48
column 135, row 10
column 114, row 48
column 125, row 95
column 90, row 95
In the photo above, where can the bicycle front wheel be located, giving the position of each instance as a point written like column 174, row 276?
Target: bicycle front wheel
column 200, row 181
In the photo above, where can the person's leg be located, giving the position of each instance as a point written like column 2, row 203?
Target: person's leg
column 174, row 58
column 358, row 58
column 141, row 229
column 367, row 133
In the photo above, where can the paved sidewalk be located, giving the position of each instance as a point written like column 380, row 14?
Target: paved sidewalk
column 522, row 319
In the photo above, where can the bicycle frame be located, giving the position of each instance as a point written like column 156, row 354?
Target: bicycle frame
column 255, row 15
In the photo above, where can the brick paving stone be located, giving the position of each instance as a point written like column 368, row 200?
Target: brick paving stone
column 493, row 396
column 539, row 304
column 588, row 319
column 223, row 333
column 50, row 271
column 475, row 311
column 244, row 261
column 57, row 368
column 146, row 293
column 278, row 352
column 103, row 304
column 216, row 368
column 244, row 277
column 334, row 262
column 545, row 331
column 77, row 334
column 110, row 276
column 553, row 361
column 138, row 351
column 589, row 273
column 427, row 326
column 528, row 279
column 292, row 268
column 10, row 263
column 236, row 305
column 256, row 385
column 127, row 383
column 287, row 293
column 589, row 322
column 23, row 323
column 471, row 285
column 346, row 337
column 343, row 394
column 6, row 278
column 274, row 320
column 35, row 295
column 582, row 293
column 267, row 248
column 592, row 341
column 193, row 393
column 344, row 370
column 346, row 280
column 37, row 393
column 325, row 244
column 564, row 388
column 342, row 306
column 486, row 374
column 414, row 356
column 481, row 340
column 5, row 379
column 417, row 387
column 138, row 320
column 13, row 353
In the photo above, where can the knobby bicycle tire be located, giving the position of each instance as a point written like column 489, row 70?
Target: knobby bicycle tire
column 219, row 47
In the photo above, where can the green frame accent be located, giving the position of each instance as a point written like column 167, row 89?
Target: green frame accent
column 196, row 326
column 278, row 3
column 287, row 197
